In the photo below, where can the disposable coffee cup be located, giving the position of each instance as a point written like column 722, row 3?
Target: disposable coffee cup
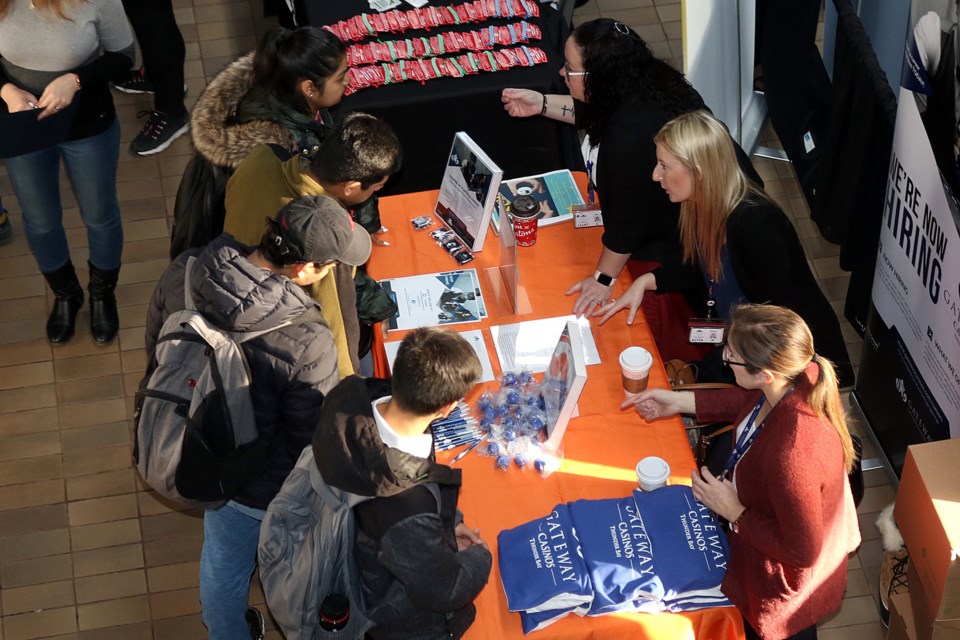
column 524, row 215
column 652, row 473
column 635, row 363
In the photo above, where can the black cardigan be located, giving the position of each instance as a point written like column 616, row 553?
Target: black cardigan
column 771, row 267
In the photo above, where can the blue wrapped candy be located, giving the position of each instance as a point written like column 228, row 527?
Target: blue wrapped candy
column 493, row 448
column 503, row 461
column 509, row 379
column 513, row 397
column 521, row 459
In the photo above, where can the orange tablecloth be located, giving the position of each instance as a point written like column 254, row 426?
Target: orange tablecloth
column 601, row 446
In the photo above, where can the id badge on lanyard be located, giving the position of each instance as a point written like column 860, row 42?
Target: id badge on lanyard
column 707, row 330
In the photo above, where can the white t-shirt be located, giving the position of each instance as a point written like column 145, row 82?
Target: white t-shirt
column 419, row 446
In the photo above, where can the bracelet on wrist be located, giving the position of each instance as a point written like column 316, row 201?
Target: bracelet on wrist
column 736, row 523
column 543, row 109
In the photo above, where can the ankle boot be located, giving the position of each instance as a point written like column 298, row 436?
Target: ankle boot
column 69, row 298
column 104, row 321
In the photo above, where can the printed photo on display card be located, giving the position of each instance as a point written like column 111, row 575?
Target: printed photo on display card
column 556, row 192
column 468, row 191
column 435, row 299
column 563, row 381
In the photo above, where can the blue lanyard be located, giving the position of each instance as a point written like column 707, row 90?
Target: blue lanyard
column 591, row 197
column 743, row 442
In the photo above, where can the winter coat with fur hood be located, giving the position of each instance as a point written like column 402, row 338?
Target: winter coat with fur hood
column 227, row 123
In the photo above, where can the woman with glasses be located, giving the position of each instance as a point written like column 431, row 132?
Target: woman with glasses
column 745, row 246
column 621, row 95
column 784, row 489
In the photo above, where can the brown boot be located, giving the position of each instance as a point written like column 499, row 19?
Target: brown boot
column 893, row 569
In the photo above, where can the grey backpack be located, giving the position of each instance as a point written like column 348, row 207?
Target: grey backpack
column 196, row 438
column 306, row 554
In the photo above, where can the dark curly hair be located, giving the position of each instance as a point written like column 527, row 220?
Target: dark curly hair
column 284, row 58
column 622, row 68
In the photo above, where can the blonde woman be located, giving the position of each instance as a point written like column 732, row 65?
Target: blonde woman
column 54, row 53
column 745, row 245
column 784, row 489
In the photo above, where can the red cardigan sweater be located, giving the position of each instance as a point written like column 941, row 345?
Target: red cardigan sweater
column 788, row 558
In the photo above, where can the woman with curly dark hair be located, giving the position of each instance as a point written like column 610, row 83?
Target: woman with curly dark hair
column 621, row 95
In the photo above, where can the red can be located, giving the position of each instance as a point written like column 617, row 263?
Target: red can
column 524, row 214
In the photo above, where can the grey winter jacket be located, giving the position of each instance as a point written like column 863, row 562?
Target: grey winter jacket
column 403, row 535
column 292, row 368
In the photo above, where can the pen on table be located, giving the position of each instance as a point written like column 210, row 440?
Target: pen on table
column 454, row 432
column 448, row 424
column 460, row 455
column 459, row 438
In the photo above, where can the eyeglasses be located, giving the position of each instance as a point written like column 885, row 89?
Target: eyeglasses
column 573, row 74
column 726, row 361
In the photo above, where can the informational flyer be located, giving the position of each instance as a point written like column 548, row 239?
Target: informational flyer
column 468, row 191
column 474, row 337
column 435, row 299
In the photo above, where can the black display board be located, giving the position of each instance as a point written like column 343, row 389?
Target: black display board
column 426, row 116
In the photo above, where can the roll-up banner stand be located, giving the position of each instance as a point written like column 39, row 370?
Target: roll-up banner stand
column 909, row 380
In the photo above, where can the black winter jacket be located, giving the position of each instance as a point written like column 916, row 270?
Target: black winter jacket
column 403, row 535
column 292, row 368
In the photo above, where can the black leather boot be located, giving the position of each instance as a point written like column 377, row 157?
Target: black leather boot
column 69, row 298
column 104, row 322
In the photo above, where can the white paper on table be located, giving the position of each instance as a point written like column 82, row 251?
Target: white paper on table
column 529, row 345
column 475, row 338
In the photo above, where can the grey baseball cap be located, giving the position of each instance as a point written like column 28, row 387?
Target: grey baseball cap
column 318, row 229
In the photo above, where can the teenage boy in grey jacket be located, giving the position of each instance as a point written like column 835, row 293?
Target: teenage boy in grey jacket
column 372, row 443
column 240, row 288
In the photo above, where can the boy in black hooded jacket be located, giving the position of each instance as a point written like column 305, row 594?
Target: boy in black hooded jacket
column 372, row 443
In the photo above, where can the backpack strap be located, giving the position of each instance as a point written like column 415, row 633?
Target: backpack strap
column 188, row 302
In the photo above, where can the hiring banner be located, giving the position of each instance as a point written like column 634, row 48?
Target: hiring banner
column 909, row 379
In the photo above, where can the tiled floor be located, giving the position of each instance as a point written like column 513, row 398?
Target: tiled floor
column 85, row 552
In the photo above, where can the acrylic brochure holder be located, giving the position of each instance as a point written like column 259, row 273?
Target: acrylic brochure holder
column 505, row 283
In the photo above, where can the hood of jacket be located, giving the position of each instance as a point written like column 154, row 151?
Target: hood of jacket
column 352, row 457
column 217, row 135
column 237, row 295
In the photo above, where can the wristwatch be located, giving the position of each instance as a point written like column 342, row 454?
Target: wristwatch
column 604, row 279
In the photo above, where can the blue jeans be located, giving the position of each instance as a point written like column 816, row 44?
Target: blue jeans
column 92, row 168
column 227, row 561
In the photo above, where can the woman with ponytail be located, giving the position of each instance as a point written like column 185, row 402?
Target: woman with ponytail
column 784, row 490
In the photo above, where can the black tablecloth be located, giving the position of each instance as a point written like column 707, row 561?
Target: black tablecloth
column 426, row 116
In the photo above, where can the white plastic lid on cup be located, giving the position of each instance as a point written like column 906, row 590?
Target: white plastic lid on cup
column 652, row 473
column 636, row 359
